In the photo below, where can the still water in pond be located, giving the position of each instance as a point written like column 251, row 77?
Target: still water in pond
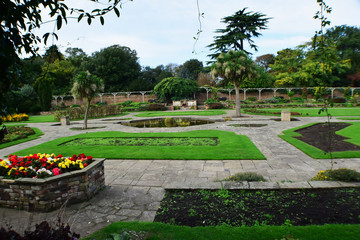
column 167, row 122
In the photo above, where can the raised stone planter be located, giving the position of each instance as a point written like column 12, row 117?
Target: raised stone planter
column 51, row 193
column 65, row 121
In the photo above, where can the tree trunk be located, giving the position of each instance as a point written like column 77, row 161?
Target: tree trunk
column 237, row 101
column 86, row 113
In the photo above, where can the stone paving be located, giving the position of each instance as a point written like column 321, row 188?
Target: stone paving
column 135, row 188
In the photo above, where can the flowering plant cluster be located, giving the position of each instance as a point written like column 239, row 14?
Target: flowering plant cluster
column 17, row 117
column 17, row 132
column 41, row 165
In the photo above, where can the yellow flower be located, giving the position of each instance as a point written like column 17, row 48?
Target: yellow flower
column 21, row 168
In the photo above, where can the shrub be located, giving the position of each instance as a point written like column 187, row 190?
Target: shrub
column 216, row 106
column 271, row 100
column 251, row 99
column 341, row 174
column 75, row 105
column 246, row 176
column 156, row 107
column 126, row 103
column 42, row 231
column 17, row 117
column 297, row 99
column 94, row 112
column 211, row 100
column 339, row 100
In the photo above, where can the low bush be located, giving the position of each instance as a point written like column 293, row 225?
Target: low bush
column 246, row 176
column 216, row 106
column 341, row 174
column 17, row 117
column 297, row 99
column 251, row 99
column 339, row 100
column 94, row 112
column 211, row 100
column 271, row 100
column 156, row 107
column 42, row 231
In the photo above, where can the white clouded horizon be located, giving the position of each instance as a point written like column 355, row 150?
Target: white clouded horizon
column 162, row 31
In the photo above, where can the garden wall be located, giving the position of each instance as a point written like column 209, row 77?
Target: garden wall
column 51, row 193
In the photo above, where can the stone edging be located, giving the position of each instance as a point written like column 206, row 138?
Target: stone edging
column 51, row 193
column 263, row 185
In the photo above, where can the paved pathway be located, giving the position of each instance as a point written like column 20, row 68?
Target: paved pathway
column 135, row 188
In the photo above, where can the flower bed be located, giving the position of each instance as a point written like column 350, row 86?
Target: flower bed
column 44, row 182
column 16, row 133
column 17, row 117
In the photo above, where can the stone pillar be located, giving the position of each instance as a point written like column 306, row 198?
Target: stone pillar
column 244, row 89
column 285, row 115
column 332, row 92
column 114, row 94
column 65, row 121
column 275, row 89
column 260, row 89
column 100, row 95
column 143, row 96
column 128, row 95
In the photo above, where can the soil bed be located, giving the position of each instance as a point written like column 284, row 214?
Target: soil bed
column 260, row 207
column 318, row 135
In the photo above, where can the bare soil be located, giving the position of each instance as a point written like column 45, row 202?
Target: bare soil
column 325, row 138
column 260, row 207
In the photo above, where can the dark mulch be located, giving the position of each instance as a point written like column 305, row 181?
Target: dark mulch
column 260, row 207
column 318, row 135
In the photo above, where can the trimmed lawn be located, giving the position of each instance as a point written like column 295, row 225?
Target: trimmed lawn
column 312, row 112
column 230, row 146
column 37, row 134
column 168, row 232
column 181, row 113
column 50, row 118
column 351, row 132
column 349, row 118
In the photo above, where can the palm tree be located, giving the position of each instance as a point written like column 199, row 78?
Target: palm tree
column 86, row 86
column 234, row 67
column 240, row 27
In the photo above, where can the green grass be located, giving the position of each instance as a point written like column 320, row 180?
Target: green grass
column 351, row 132
column 314, row 112
column 50, row 118
column 349, row 118
column 168, row 232
column 37, row 134
column 181, row 113
column 230, row 146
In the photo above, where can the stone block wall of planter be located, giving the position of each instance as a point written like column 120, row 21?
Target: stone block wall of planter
column 51, row 193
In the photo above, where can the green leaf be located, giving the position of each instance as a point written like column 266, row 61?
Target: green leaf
column 117, row 12
column 45, row 37
column 80, row 17
column 58, row 22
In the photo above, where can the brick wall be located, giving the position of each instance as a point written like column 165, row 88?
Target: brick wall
column 51, row 193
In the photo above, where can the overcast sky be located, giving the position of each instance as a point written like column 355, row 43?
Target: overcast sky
column 163, row 31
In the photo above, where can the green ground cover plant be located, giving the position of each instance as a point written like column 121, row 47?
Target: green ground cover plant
column 181, row 113
column 166, row 231
column 341, row 174
column 307, row 112
column 50, row 118
column 230, row 146
column 19, row 134
column 351, row 132
column 246, row 176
